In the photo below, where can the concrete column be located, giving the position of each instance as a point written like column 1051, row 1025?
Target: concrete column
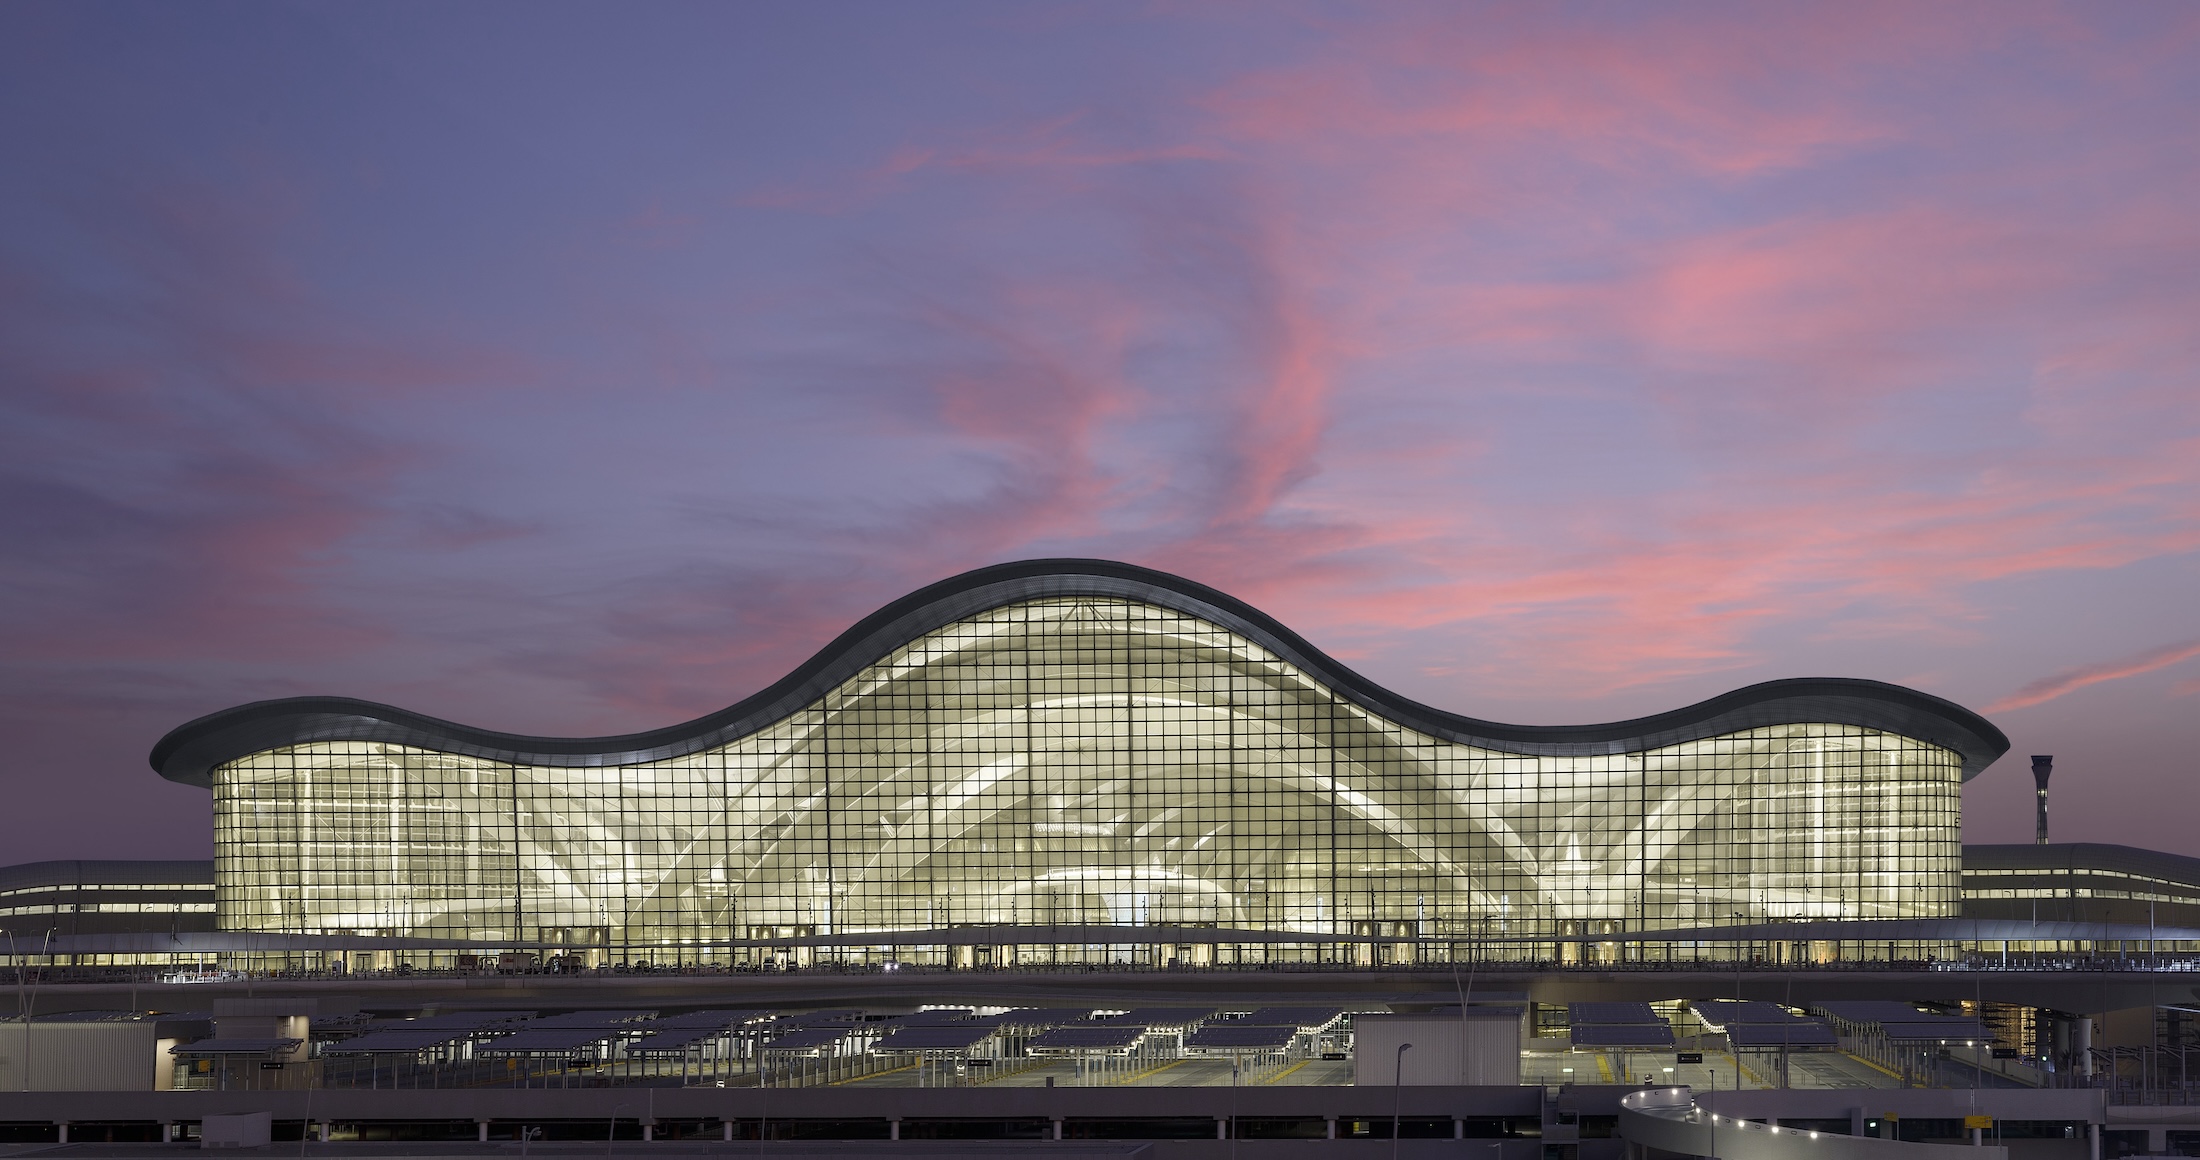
column 2084, row 1046
column 2157, row 1141
column 1458, row 1128
column 649, row 1132
column 63, row 1125
column 1332, row 1127
column 1856, row 1121
column 2093, row 1141
column 323, row 1126
column 481, row 1131
column 725, row 1128
column 893, row 1127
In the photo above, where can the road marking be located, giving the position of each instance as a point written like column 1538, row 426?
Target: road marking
column 1287, row 1071
column 1134, row 1077
column 873, row 1074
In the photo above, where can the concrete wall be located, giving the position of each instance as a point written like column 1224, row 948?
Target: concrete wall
column 1908, row 1103
column 783, row 1103
column 1662, row 1119
column 62, row 1057
column 1478, row 1050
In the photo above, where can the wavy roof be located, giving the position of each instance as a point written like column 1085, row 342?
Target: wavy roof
column 189, row 753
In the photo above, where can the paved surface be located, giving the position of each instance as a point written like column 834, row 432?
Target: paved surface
column 1719, row 1071
column 2080, row 990
column 1159, row 1073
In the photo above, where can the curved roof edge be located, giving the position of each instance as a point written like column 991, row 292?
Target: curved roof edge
column 189, row 753
column 2083, row 858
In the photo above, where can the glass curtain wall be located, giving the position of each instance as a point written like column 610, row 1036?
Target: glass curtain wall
column 1090, row 762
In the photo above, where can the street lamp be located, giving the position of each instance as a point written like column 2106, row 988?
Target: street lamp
column 612, row 1132
column 1398, row 1095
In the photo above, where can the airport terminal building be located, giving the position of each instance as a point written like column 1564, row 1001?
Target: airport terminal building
column 1078, row 856
column 1073, row 760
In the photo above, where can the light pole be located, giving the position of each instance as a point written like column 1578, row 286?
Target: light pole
column 1398, row 1095
column 1233, row 1129
column 612, row 1131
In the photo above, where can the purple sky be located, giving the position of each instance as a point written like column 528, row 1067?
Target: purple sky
column 581, row 369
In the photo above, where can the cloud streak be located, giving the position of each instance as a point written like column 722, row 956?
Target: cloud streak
column 2048, row 688
column 1543, row 367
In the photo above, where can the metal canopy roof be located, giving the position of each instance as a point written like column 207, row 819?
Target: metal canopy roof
column 551, row 1040
column 190, row 752
column 1580, row 1013
column 674, row 1040
column 453, row 1021
column 809, row 1038
column 937, row 1037
column 1793, row 1035
column 1165, row 1017
column 404, row 1035
column 622, row 1019
column 1725, row 1011
column 716, row 1019
column 1303, row 1018
column 1088, row 1037
column 1875, row 1011
column 1622, row 1035
column 1043, row 1016
column 1241, row 1037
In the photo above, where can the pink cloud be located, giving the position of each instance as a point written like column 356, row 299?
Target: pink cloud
column 2048, row 688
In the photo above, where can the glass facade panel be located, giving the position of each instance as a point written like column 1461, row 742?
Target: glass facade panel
column 1089, row 761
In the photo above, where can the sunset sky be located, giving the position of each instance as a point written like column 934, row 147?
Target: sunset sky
column 582, row 368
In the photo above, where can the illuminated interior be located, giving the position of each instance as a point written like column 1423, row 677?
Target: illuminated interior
column 1090, row 761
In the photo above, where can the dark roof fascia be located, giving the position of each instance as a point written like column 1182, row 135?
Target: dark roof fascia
column 1905, row 930
column 189, row 753
column 2084, row 858
column 69, row 872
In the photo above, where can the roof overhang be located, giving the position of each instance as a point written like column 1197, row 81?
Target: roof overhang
column 190, row 753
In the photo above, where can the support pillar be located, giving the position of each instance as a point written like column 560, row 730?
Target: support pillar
column 725, row 1130
column 481, row 1131
column 1222, row 1128
column 1332, row 1121
column 63, row 1126
column 893, row 1127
